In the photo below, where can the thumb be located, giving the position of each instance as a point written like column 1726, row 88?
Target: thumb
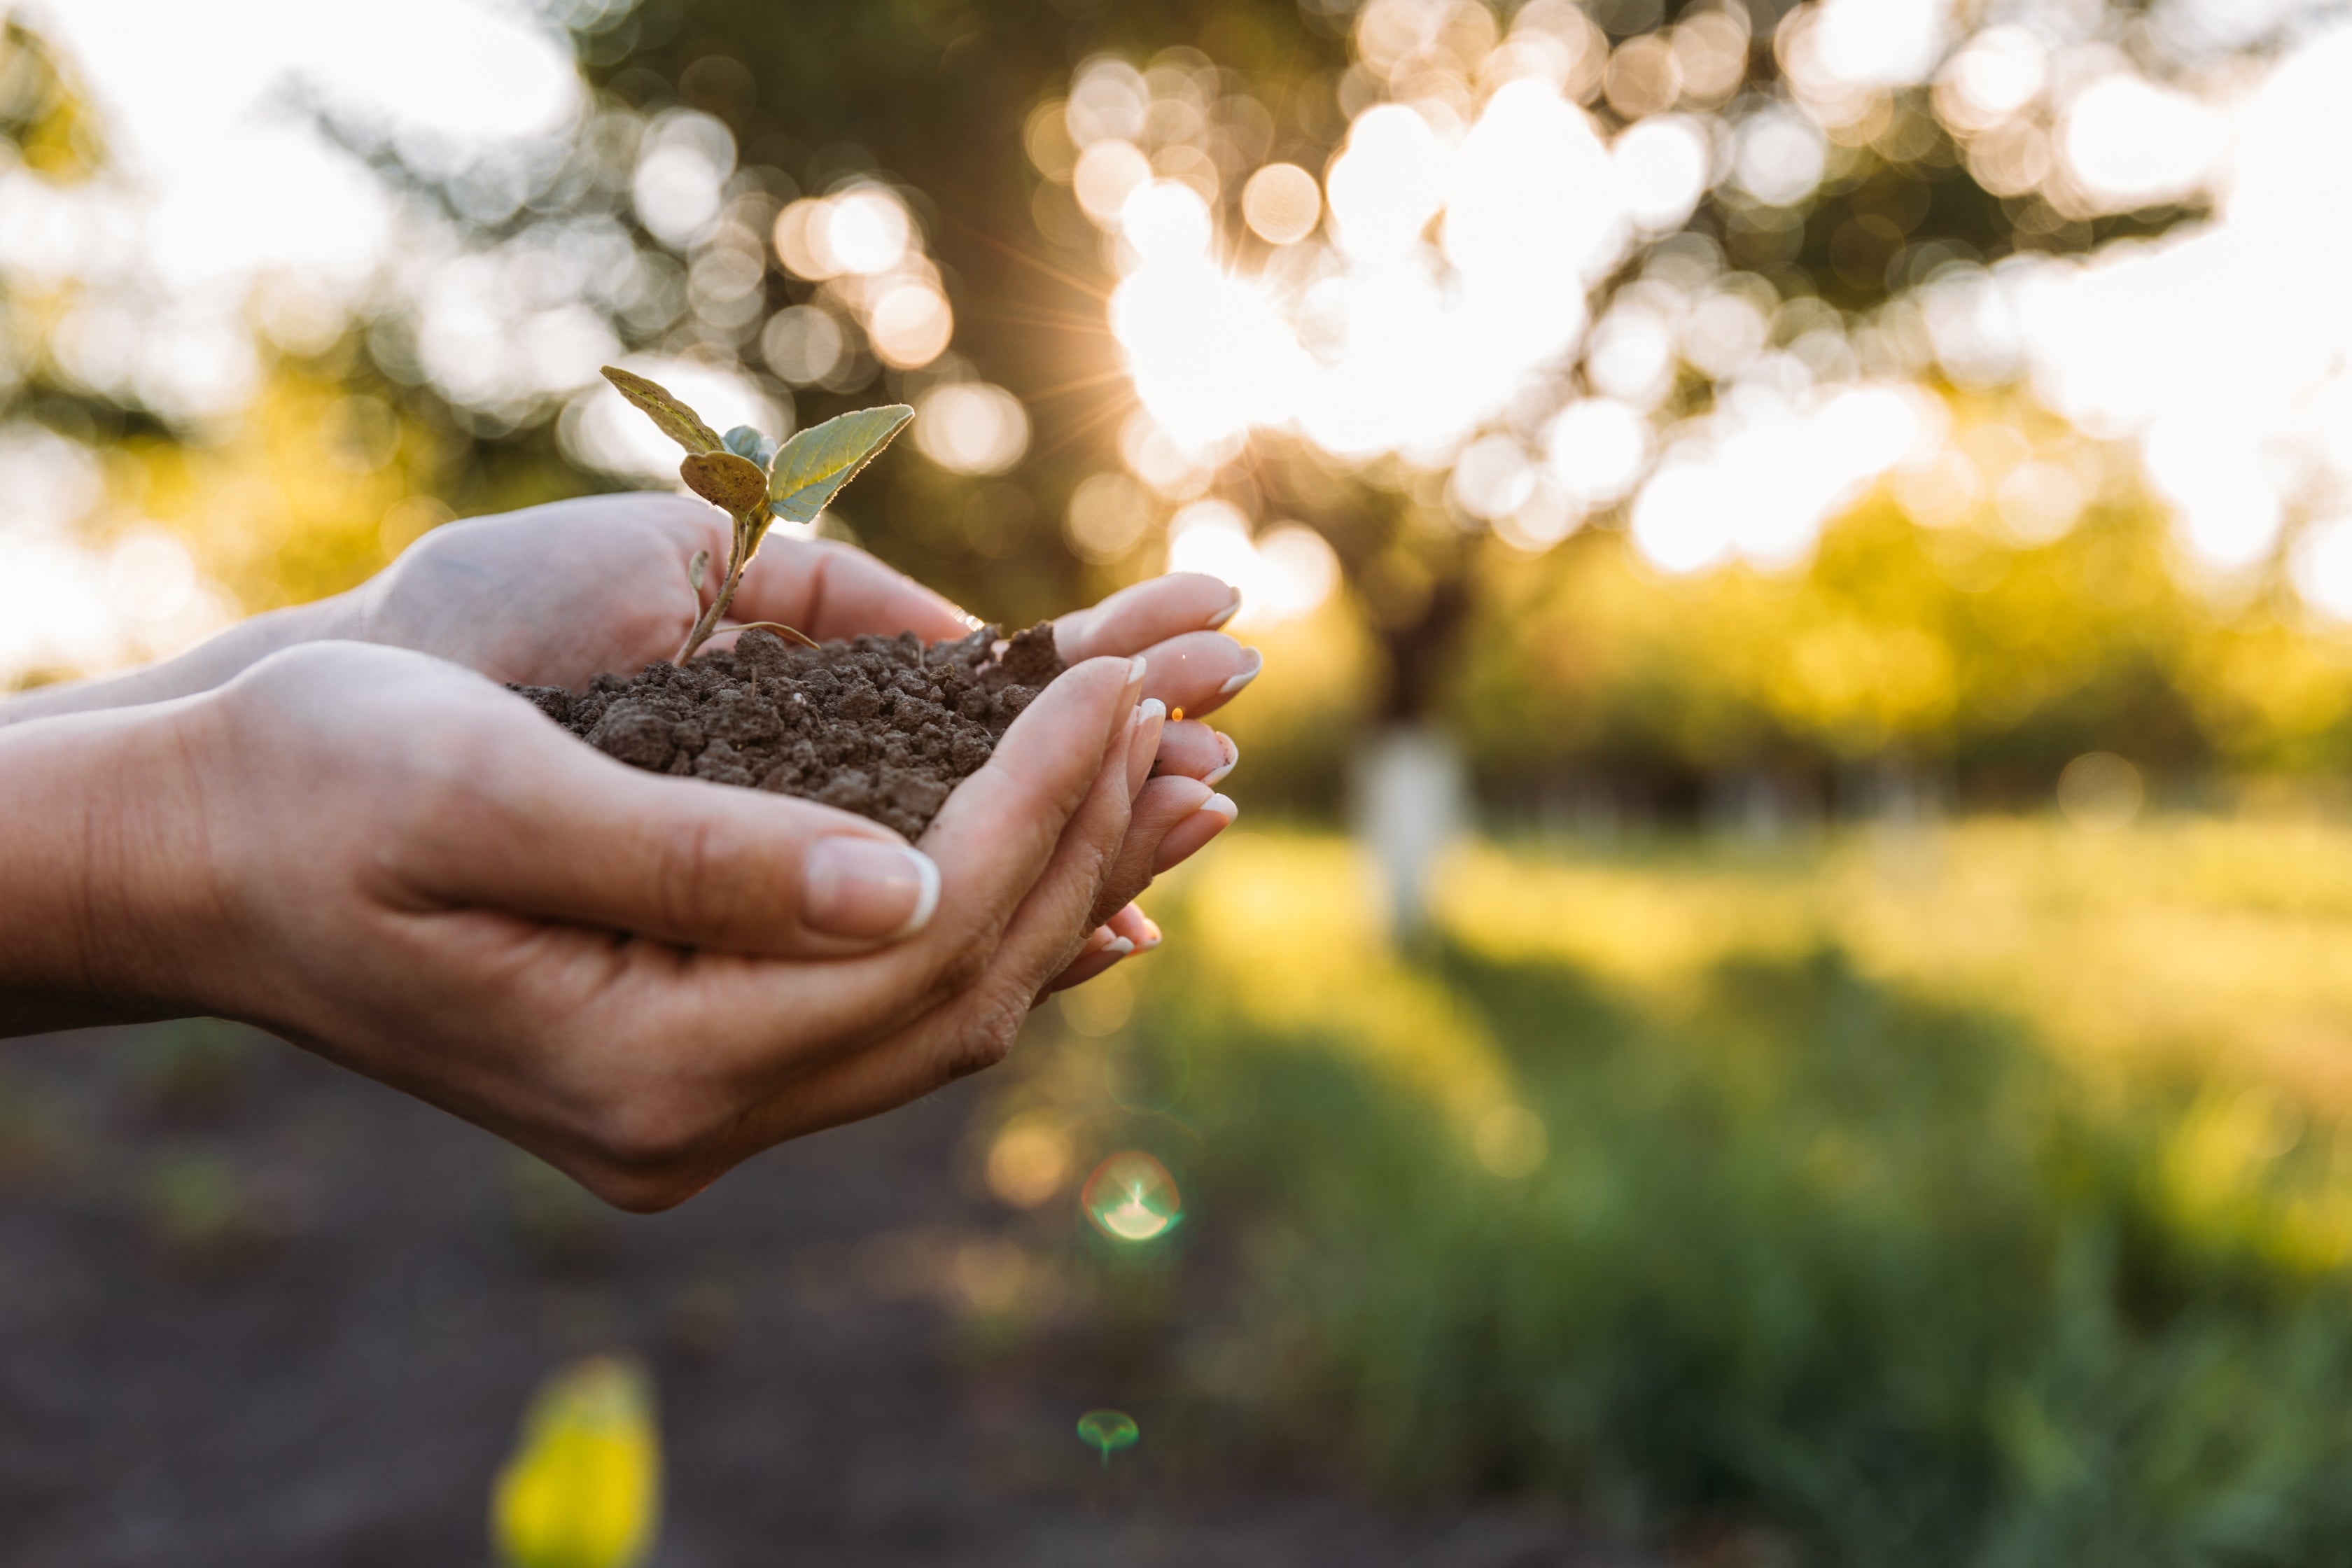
column 572, row 835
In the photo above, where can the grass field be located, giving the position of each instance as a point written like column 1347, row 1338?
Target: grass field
column 1971, row 1195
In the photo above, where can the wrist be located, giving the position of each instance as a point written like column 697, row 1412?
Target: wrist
column 107, row 900
column 217, row 659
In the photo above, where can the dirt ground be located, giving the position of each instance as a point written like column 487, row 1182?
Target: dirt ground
column 256, row 1311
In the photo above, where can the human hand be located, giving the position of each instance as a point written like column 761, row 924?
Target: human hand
column 642, row 979
column 553, row 596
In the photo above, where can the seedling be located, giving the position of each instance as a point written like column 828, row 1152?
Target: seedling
column 754, row 480
column 1107, row 1432
column 882, row 726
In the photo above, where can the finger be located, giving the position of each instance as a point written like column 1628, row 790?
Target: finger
column 1199, row 671
column 1188, row 836
column 561, row 832
column 1138, row 928
column 1134, row 618
column 1093, row 959
column 830, row 590
column 1164, row 804
column 1195, row 751
column 1130, row 932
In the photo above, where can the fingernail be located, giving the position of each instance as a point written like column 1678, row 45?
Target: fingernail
column 1228, row 613
column 1118, row 947
column 1223, row 807
column 1143, row 741
column 1256, row 663
column 865, row 888
column 1153, row 935
column 1134, row 677
column 1233, row 760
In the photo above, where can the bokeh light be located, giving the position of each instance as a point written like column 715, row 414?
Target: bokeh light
column 1131, row 1197
column 971, row 428
column 1029, row 1161
column 1101, row 1008
column 2100, row 792
column 1281, row 204
column 1283, row 574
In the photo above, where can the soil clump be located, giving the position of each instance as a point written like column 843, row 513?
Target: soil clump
column 881, row 726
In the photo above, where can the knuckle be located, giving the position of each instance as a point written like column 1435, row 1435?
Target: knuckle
column 986, row 1037
column 699, row 874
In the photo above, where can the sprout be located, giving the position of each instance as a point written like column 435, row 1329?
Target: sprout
column 754, row 480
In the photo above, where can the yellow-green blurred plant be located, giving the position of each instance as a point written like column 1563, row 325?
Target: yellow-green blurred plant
column 1865, row 1192
column 583, row 1488
column 753, row 480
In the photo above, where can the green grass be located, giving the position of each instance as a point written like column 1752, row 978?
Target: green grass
column 1821, row 1241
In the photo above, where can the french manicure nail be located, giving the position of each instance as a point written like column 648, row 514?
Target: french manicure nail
column 1118, row 947
column 866, row 889
column 1153, row 935
column 1256, row 663
column 1227, row 614
column 1223, row 807
column 1134, row 677
column 1233, row 760
column 1143, row 741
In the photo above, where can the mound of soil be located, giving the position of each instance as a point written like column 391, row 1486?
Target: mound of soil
column 881, row 726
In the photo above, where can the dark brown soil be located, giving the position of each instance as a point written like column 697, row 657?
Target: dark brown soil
column 881, row 726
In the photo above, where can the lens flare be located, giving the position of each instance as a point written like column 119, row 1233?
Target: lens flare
column 1107, row 1432
column 1131, row 1197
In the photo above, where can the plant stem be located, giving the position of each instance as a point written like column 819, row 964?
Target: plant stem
column 708, row 625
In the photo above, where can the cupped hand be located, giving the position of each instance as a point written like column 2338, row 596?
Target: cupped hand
column 555, row 594
column 642, row 979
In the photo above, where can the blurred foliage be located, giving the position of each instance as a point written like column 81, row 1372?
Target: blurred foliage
column 1962, row 653
column 1870, row 1208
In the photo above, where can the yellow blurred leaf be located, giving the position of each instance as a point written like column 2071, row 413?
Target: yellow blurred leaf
column 584, row 1488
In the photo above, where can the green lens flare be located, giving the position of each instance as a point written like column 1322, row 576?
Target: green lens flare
column 1107, row 1431
column 1131, row 1197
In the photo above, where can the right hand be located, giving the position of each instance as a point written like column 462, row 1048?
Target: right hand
column 642, row 979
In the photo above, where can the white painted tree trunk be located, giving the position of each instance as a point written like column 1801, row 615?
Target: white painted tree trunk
column 1410, row 804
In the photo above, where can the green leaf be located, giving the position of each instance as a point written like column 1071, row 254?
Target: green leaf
column 811, row 467
column 680, row 422
column 746, row 442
